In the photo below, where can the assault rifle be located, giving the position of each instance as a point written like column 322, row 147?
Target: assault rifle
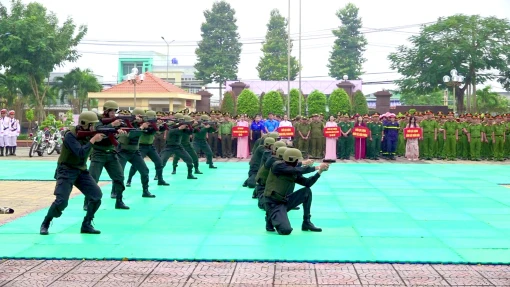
column 125, row 119
column 176, row 123
column 109, row 132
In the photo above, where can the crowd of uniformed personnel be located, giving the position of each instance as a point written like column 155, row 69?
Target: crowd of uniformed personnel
column 445, row 136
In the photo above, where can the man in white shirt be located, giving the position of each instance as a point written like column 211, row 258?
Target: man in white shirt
column 286, row 123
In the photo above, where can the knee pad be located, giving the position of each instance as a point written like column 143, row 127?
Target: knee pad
column 284, row 231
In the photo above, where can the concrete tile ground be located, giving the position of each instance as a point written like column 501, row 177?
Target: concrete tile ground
column 25, row 197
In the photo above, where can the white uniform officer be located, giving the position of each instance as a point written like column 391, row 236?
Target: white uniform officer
column 14, row 131
column 3, row 131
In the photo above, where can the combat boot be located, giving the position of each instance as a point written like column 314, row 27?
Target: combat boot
column 87, row 228
column 308, row 225
column 128, row 184
column 190, row 174
column 45, row 226
column 163, row 183
column 119, row 204
column 146, row 193
column 174, row 169
column 212, row 166
column 197, row 171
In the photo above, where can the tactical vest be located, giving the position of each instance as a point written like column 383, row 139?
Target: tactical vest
column 263, row 172
column 278, row 187
column 68, row 158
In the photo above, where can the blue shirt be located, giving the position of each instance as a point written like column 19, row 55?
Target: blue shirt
column 271, row 125
column 257, row 126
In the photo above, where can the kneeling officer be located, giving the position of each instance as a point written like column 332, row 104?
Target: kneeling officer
column 280, row 194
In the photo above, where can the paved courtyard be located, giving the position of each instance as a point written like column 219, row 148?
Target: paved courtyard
column 26, row 197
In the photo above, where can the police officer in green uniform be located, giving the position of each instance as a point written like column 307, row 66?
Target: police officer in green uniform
column 200, row 140
column 376, row 130
column 498, row 139
column 212, row 137
column 72, row 171
column 147, row 149
column 316, row 135
column 452, row 136
column 280, row 195
column 430, row 128
column 186, row 144
column 267, row 161
column 303, row 133
column 105, row 155
column 346, row 131
column 225, row 135
column 475, row 138
column 129, row 150
column 174, row 147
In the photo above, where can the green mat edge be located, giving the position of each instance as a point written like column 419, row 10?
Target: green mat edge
column 258, row 261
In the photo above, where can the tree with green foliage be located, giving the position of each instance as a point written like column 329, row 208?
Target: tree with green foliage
column 339, row 102
column 471, row 44
column 316, row 102
column 248, row 103
column 36, row 45
column 430, row 99
column 491, row 102
column 273, row 64
column 294, row 103
column 350, row 44
column 228, row 104
column 272, row 103
column 81, row 82
column 219, row 51
column 30, row 116
column 360, row 105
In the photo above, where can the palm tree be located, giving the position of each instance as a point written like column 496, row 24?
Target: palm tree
column 79, row 82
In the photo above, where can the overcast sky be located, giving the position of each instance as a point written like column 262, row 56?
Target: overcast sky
column 144, row 22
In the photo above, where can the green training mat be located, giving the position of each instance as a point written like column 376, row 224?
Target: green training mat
column 417, row 213
column 33, row 170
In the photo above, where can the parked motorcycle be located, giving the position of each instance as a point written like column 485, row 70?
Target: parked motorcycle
column 56, row 141
column 41, row 141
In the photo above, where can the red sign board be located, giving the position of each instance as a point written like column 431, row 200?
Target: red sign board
column 286, row 132
column 413, row 133
column 360, row 132
column 332, row 132
column 240, row 131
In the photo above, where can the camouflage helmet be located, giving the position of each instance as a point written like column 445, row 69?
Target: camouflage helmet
column 280, row 151
column 110, row 105
column 151, row 114
column 292, row 155
column 87, row 118
column 274, row 135
column 269, row 142
column 187, row 118
column 138, row 111
column 277, row 145
column 204, row 118
column 179, row 116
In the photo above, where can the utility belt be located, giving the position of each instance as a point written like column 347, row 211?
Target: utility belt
column 105, row 149
column 277, row 197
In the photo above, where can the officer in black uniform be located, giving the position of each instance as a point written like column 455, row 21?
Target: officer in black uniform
column 129, row 150
column 174, row 146
column 147, row 149
column 186, row 143
column 280, row 194
column 105, row 155
column 72, row 171
column 263, row 172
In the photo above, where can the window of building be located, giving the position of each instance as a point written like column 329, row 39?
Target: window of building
column 127, row 67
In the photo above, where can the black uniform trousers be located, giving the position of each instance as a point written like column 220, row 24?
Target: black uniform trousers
column 159, row 142
column 68, row 177
column 176, row 150
column 259, row 193
column 201, row 145
column 150, row 151
column 191, row 152
column 252, row 174
column 276, row 211
column 134, row 157
column 110, row 161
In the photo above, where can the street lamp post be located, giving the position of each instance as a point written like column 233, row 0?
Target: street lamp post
column 135, row 79
column 167, row 55
column 288, row 65
column 455, row 81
